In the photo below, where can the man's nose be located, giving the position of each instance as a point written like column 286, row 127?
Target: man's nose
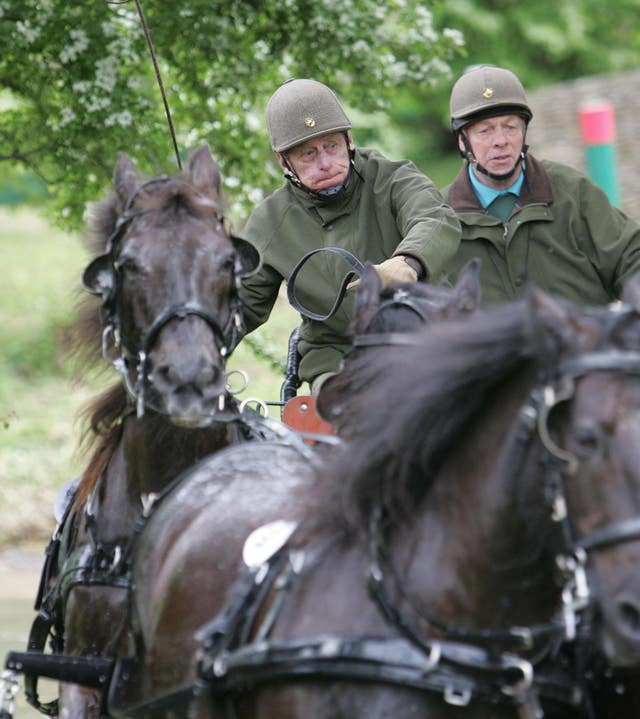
column 499, row 136
column 324, row 158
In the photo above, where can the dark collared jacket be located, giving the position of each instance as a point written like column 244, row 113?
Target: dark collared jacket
column 563, row 235
column 388, row 208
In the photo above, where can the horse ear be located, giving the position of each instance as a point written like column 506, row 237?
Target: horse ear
column 467, row 287
column 330, row 399
column 555, row 323
column 125, row 178
column 631, row 291
column 204, row 172
column 248, row 257
column 367, row 298
column 98, row 276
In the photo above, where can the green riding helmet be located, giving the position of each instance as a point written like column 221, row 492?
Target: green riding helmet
column 487, row 91
column 300, row 110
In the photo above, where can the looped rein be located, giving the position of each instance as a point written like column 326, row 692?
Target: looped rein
column 356, row 268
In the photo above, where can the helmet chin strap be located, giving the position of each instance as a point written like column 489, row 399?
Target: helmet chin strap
column 328, row 193
column 471, row 159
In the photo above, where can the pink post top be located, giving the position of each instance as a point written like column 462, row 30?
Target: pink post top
column 597, row 123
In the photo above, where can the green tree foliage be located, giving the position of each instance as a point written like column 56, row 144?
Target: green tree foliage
column 77, row 82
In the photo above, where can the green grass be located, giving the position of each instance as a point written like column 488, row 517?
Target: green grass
column 39, row 402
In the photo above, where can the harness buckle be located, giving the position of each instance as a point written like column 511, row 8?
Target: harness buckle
column 457, row 696
column 435, row 652
column 575, row 594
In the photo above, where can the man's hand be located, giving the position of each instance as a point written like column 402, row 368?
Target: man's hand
column 395, row 269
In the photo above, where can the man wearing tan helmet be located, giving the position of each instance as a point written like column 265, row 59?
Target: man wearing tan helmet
column 529, row 220
column 384, row 212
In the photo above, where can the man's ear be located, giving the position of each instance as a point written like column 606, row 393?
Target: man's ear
column 282, row 163
column 461, row 146
column 350, row 142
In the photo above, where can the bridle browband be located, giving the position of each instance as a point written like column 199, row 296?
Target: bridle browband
column 401, row 299
column 132, row 359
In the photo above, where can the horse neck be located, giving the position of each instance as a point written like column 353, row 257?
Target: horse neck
column 150, row 455
column 475, row 557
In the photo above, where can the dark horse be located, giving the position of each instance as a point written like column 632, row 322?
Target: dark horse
column 271, row 477
column 484, row 513
column 167, row 278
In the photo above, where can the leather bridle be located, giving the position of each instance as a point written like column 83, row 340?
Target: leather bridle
column 132, row 358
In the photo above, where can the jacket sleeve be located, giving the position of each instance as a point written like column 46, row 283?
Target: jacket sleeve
column 615, row 237
column 259, row 291
column 430, row 229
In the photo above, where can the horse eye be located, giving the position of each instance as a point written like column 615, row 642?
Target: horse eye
column 228, row 263
column 128, row 265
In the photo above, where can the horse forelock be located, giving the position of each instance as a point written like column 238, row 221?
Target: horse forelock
column 406, row 407
column 175, row 194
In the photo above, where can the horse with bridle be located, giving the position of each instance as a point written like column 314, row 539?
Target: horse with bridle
column 167, row 317
column 272, row 471
column 482, row 516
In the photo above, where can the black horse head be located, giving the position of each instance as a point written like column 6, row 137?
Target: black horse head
column 168, row 282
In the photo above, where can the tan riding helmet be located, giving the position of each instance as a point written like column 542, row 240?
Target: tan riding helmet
column 300, row 110
column 487, row 91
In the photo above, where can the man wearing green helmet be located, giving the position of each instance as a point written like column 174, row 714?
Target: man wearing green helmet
column 384, row 212
column 529, row 221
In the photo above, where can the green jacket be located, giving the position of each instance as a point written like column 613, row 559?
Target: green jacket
column 388, row 208
column 563, row 236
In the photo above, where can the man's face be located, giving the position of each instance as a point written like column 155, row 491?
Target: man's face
column 496, row 143
column 321, row 162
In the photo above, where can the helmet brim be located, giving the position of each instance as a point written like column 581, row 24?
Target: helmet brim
column 457, row 123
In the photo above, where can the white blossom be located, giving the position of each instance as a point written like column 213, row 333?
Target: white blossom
column 106, row 74
column 30, row 33
column 456, row 37
column 66, row 116
column 78, row 43
column 124, row 119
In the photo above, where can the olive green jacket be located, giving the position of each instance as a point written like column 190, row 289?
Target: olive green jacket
column 388, row 208
column 563, row 236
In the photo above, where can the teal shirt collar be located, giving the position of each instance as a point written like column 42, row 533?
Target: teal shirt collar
column 487, row 195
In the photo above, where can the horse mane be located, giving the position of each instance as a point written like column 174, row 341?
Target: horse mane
column 405, row 407
column 102, row 416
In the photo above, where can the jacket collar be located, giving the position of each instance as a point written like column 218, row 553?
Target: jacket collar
column 536, row 188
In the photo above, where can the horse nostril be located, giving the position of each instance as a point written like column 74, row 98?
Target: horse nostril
column 163, row 375
column 630, row 615
column 207, row 376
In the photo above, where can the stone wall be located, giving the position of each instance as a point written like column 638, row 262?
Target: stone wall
column 554, row 132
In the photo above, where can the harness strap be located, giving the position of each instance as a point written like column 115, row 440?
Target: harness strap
column 611, row 534
column 458, row 672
